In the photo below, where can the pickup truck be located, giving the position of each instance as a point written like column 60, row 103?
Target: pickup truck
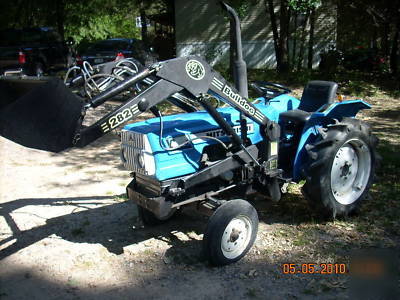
column 32, row 51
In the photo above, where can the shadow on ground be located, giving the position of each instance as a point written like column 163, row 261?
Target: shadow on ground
column 185, row 274
column 388, row 114
column 113, row 226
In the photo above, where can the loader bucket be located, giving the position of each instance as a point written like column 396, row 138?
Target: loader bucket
column 39, row 115
column 13, row 87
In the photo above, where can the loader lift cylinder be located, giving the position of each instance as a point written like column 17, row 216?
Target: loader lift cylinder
column 227, row 128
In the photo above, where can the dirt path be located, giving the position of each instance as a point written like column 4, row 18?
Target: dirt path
column 66, row 232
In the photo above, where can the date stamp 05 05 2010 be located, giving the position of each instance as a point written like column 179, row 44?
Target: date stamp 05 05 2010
column 360, row 267
column 314, row 268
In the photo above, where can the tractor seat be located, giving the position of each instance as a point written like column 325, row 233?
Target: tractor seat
column 316, row 94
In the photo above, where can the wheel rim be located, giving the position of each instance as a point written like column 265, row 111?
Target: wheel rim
column 236, row 237
column 350, row 171
column 39, row 71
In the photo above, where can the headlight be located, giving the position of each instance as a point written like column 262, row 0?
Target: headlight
column 140, row 160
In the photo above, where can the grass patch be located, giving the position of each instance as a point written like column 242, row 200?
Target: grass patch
column 385, row 202
column 302, row 240
column 72, row 282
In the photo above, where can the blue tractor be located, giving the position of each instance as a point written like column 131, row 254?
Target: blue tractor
column 212, row 159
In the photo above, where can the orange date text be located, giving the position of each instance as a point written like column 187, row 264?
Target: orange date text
column 313, row 268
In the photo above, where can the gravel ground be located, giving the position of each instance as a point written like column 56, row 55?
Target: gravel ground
column 67, row 232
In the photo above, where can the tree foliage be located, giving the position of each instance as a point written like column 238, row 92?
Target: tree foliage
column 367, row 23
column 371, row 24
column 303, row 6
column 100, row 19
column 82, row 20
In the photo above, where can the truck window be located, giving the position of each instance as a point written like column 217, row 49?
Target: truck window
column 10, row 38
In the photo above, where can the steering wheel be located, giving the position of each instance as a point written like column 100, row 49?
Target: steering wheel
column 269, row 90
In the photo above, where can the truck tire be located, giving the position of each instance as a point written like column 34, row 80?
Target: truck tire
column 230, row 232
column 150, row 219
column 38, row 70
column 341, row 167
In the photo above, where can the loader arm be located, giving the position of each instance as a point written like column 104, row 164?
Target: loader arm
column 50, row 117
column 191, row 74
column 156, row 93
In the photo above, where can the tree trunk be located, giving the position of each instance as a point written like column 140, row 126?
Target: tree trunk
column 374, row 39
column 385, row 40
column 282, row 44
column 294, row 38
column 17, row 18
column 143, row 20
column 171, row 8
column 311, row 40
column 275, row 34
column 60, row 13
column 232, row 52
column 394, row 51
column 289, row 34
column 28, row 18
column 302, row 42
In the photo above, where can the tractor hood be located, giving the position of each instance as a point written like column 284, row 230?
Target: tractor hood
column 194, row 122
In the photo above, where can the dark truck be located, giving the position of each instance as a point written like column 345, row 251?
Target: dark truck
column 32, row 51
column 116, row 49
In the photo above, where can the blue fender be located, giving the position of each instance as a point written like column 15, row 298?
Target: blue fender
column 319, row 119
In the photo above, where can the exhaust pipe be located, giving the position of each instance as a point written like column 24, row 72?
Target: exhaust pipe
column 239, row 68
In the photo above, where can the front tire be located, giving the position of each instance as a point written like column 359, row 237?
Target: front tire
column 341, row 167
column 230, row 232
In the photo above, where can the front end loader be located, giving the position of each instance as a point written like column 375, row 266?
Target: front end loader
column 212, row 159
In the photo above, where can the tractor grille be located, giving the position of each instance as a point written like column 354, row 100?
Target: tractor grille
column 132, row 139
column 132, row 146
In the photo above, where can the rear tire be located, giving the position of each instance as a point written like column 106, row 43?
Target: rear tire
column 230, row 232
column 341, row 167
